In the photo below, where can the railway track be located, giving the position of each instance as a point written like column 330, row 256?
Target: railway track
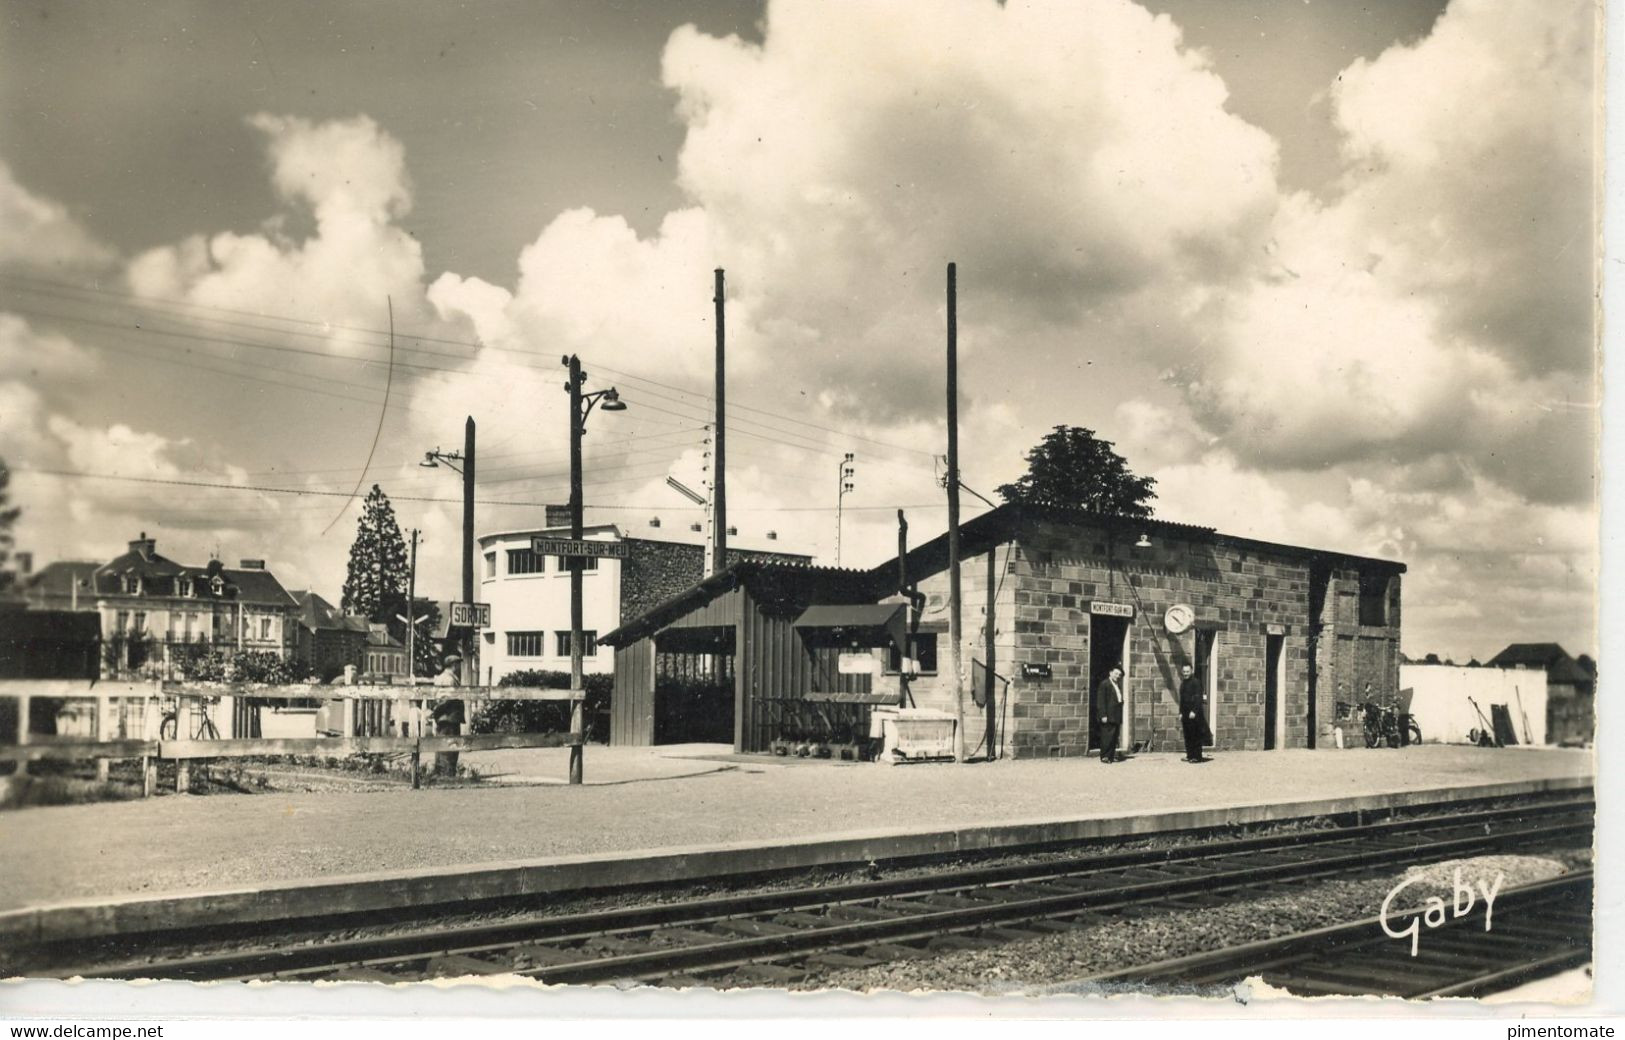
column 782, row 937
column 1539, row 930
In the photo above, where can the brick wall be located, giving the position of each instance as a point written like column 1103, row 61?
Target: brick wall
column 1241, row 592
column 655, row 571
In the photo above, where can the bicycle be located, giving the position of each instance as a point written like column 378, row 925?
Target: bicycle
column 1385, row 724
column 169, row 725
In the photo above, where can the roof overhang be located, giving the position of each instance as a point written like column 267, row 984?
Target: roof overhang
column 858, row 619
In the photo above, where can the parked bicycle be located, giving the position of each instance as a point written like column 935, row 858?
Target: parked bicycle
column 1386, row 724
column 169, row 726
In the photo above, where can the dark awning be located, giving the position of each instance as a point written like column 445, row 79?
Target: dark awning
column 890, row 619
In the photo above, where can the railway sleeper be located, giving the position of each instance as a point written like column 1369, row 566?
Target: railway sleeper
column 896, row 952
column 780, row 974
column 838, row 961
column 454, row 965
column 950, row 943
column 754, row 928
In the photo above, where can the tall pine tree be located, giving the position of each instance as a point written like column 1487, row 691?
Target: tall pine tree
column 376, row 585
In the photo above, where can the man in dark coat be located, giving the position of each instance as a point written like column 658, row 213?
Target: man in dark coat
column 1192, row 713
column 1109, row 703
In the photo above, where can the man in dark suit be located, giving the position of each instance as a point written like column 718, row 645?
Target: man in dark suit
column 1192, row 713
column 1109, row 703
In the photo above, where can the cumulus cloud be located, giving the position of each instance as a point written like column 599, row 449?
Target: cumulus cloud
column 39, row 232
column 1442, row 302
column 1401, row 367
column 351, row 176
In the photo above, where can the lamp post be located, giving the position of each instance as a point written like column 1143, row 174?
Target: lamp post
column 461, row 463
column 581, row 405
column 843, row 485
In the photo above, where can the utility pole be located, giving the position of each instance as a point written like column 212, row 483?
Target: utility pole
column 411, row 613
column 954, row 622
column 471, row 671
column 842, row 486
column 719, row 488
column 580, row 405
column 578, row 729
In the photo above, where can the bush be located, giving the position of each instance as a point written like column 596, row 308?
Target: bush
column 544, row 716
column 254, row 666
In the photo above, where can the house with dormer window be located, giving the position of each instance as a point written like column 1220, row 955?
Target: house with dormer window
column 154, row 609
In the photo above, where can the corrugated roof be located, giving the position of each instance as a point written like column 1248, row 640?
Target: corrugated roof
column 861, row 583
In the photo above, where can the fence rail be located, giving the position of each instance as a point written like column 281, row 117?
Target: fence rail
column 104, row 744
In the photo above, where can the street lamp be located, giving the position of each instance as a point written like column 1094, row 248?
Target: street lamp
column 462, row 463
column 845, row 471
column 581, row 405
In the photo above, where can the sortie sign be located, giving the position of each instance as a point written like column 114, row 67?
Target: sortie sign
column 577, row 547
column 471, row 615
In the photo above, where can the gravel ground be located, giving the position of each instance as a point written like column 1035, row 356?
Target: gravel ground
column 176, row 844
column 1020, row 966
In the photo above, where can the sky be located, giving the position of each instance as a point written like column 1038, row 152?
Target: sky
column 1324, row 270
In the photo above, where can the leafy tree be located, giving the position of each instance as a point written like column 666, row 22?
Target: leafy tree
column 8, row 517
column 375, row 587
column 1074, row 469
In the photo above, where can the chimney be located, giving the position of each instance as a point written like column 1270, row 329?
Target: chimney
column 25, row 562
column 251, row 565
column 144, row 545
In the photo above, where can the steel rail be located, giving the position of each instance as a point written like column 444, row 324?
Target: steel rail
column 304, row 960
column 1275, row 959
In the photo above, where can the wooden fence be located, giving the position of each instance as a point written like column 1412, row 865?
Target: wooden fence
column 123, row 706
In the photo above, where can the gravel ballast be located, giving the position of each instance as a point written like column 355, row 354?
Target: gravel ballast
column 1161, row 935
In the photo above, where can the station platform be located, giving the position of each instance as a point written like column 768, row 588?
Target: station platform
column 664, row 814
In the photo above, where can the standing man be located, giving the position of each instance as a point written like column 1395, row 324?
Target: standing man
column 1192, row 713
column 1109, row 702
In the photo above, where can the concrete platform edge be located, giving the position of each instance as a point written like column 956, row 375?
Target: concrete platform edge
column 318, row 897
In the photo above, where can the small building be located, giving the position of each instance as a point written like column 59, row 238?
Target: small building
column 1570, row 689
column 1279, row 635
column 529, row 594
column 326, row 639
column 385, row 656
column 1450, row 702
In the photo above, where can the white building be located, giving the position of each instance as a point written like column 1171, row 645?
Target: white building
column 530, row 595
column 1449, row 701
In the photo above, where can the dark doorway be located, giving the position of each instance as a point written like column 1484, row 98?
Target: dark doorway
column 1107, row 640
column 1206, row 641
column 1272, row 691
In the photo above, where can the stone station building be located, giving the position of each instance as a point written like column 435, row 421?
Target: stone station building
column 1279, row 634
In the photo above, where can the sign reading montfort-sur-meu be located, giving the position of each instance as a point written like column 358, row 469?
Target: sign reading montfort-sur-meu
column 1111, row 609
column 577, row 547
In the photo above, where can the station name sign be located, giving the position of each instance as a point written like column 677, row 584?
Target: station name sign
column 577, row 547
column 471, row 615
column 1111, row 609
column 1034, row 671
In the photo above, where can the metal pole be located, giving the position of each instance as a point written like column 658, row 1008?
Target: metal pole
column 992, row 736
column 954, row 622
column 907, row 649
column 471, row 671
column 577, row 727
column 411, row 660
column 719, row 484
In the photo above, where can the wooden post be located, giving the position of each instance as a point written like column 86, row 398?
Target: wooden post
column 22, row 731
column 149, row 775
column 954, row 605
column 103, row 710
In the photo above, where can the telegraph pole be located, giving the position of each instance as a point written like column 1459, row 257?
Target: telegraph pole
column 842, row 486
column 954, row 622
column 471, row 671
column 719, row 489
column 578, row 734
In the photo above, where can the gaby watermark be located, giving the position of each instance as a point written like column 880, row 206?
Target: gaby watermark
column 1436, row 911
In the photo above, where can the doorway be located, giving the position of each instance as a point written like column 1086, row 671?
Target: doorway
column 1207, row 640
column 1108, row 646
column 1272, row 692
